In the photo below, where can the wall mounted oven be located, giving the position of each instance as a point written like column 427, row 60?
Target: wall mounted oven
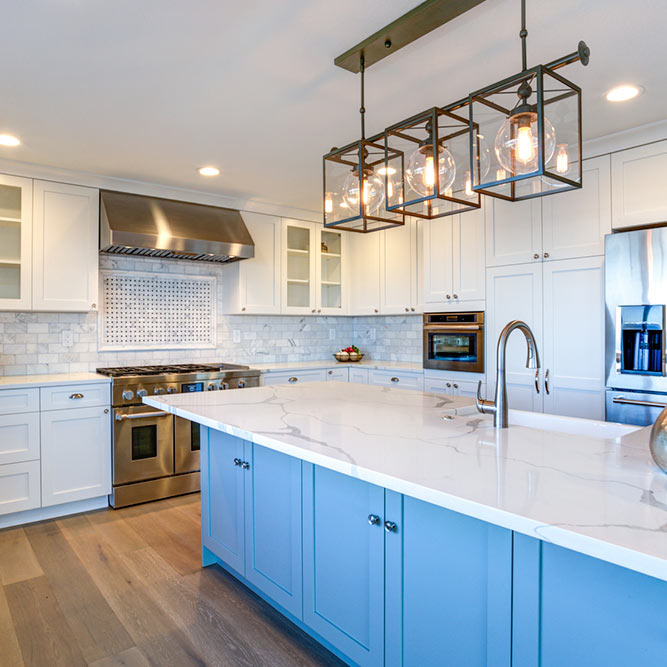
column 454, row 341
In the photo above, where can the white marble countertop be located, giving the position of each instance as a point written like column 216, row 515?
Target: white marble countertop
column 601, row 497
column 22, row 381
column 331, row 363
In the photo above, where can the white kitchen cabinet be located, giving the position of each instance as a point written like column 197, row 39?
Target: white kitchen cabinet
column 15, row 243
column 515, row 293
column 65, row 247
column 298, row 290
column 513, row 231
column 575, row 223
column 365, row 272
column 398, row 379
column 573, row 349
column 293, row 376
column 452, row 387
column 453, row 251
column 19, row 487
column 19, row 437
column 67, row 397
column 358, row 375
column 253, row 286
column 331, row 266
column 338, row 374
column 638, row 178
column 76, row 454
column 14, row 401
column 398, row 269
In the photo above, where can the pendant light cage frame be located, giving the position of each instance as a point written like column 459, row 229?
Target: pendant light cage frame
column 442, row 131
column 360, row 161
column 557, row 162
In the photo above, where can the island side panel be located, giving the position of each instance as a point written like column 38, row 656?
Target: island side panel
column 575, row 610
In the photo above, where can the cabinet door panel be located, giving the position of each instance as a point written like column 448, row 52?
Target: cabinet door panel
column 515, row 293
column 19, row 437
column 574, row 223
column 19, row 487
column 438, row 249
column 468, row 256
column 574, row 337
column 222, row 506
column 331, row 265
column 273, row 526
column 359, row 375
column 398, row 273
column 66, row 254
column 449, row 597
column 299, row 293
column 638, row 192
column 364, row 250
column 513, row 231
column 338, row 374
column 343, row 563
column 76, row 455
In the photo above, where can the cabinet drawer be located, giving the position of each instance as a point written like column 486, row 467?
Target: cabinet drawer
column 19, row 437
column 299, row 376
column 397, row 379
column 19, row 487
column 338, row 374
column 359, row 375
column 451, row 387
column 75, row 396
column 14, row 401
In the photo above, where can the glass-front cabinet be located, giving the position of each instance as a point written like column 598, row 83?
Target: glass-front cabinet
column 15, row 242
column 313, row 269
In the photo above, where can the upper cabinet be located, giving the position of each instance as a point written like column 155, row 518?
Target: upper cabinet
column 453, row 251
column 65, row 247
column 566, row 226
column 398, row 269
column 252, row 286
column 48, row 246
column 15, row 243
column 638, row 178
column 365, row 269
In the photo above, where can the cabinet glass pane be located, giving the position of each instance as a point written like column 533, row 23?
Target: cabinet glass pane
column 298, row 267
column 330, row 295
column 10, row 242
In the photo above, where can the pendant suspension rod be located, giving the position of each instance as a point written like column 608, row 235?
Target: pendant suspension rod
column 523, row 33
column 362, row 108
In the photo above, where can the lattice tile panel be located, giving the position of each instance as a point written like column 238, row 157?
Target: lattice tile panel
column 148, row 311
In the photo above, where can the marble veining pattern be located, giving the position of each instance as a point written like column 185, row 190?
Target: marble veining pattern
column 600, row 496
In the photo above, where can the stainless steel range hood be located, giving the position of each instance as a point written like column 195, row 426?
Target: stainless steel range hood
column 152, row 227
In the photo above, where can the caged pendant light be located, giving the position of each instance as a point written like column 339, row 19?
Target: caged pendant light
column 532, row 122
column 356, row 183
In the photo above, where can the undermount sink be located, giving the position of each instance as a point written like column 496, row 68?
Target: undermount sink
column 572, row 425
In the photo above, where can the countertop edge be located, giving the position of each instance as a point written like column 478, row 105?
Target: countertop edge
column 9, row 382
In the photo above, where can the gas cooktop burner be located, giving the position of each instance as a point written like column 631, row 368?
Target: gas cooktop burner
column 124, row 371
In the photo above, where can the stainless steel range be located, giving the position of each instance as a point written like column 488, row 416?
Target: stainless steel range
column 156, row 455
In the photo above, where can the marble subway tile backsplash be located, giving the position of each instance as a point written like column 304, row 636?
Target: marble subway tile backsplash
column 32, row 343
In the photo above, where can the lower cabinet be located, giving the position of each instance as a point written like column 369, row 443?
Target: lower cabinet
column 251, row 514
column 451, row 386
column 19, row 487
column 292, row 377
column 76, row 454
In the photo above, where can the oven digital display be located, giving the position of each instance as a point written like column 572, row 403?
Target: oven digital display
column 192, row 386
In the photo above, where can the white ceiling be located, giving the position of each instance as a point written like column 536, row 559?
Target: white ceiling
column 151, row 90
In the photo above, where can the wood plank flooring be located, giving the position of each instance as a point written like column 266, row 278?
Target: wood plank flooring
column 126, row 587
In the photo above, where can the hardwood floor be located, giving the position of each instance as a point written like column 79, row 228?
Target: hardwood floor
column 126, row 587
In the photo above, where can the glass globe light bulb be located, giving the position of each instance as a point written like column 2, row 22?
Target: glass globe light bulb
column 562, row 159
column 372, row 191
column 421, row 168
column 516, row 143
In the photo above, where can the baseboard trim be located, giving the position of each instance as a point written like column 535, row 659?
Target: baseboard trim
column 53, row 512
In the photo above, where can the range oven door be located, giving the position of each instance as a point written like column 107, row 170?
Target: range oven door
column 143, row 444
column 454, row 347
column 187, row 442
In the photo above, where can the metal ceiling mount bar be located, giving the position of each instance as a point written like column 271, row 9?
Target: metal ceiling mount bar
column 404, row 30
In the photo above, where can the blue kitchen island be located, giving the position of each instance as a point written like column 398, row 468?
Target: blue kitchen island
column 401, row 528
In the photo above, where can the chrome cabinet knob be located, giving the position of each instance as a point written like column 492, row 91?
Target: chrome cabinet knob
column 456, row 296
column 449, row 384
column 245, row 465
column 237, row 462
column 313, row 310
column 94, row 306
column 536, row 255
column 546, row 255
column 373, row 519
column 448, row 296
column 319, row 310
column 407, row 310
column 293, row 379
column 243, row 309
column 412, row 309
column 330, row 372
column 394, row 379
column 376, row 310
column 390, row 526
column 456, row 386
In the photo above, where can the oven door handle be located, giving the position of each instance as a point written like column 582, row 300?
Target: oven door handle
column 142, row 415
column 452, row 327
column 646, row 404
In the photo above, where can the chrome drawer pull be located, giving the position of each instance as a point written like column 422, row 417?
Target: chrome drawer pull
column 76, row 396
column 142, row 415
column 646, row 404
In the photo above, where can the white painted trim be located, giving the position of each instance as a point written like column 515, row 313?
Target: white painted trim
column 620, row 141
column 46, row 173
column 55, row 511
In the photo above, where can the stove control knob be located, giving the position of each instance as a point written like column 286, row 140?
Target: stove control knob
column 224, row 385
column 141, row 393
column 171, row 390
column 242, row 384
column 212, row 387
column 128, row 395
column 158, row 390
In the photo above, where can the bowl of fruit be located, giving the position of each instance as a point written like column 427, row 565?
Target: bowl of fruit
column 351, row 353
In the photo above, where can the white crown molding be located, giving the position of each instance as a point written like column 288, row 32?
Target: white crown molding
column 619, row 141
column 46, row 173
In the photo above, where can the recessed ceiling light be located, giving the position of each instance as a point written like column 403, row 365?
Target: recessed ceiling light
column 209, row 171
column 623, row 93
column 9, row 140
